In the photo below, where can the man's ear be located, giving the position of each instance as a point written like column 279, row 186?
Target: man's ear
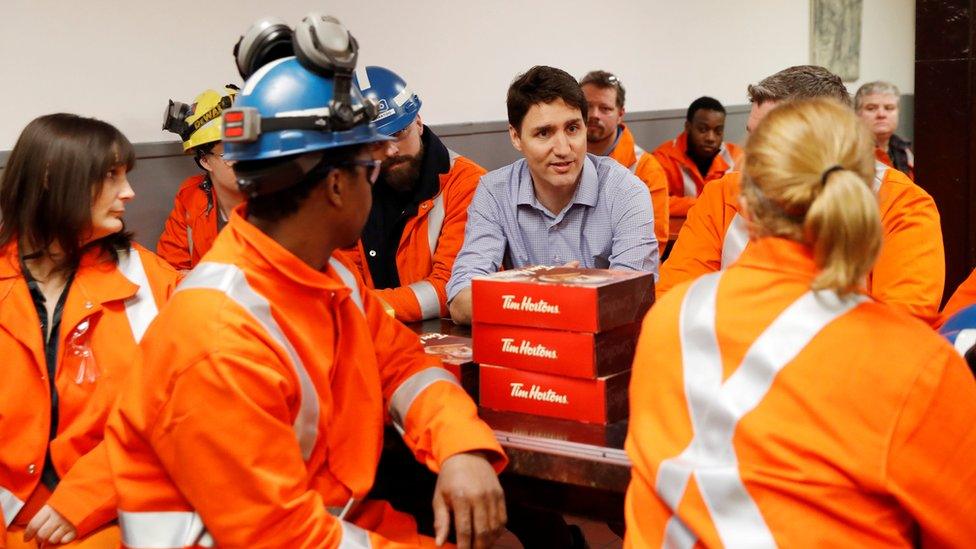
column 205, row 163
column 513, row 134
column 420, row 124
column 335, row 187
column 687, row 126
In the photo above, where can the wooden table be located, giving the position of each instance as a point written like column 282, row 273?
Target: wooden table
column 563, row 465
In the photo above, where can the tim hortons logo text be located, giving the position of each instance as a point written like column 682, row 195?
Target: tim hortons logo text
column 527, row 304
column 526, row 348
column 536, row 393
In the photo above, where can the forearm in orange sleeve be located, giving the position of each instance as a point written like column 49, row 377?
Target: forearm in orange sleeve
column 86, row 496
column 443, row 421
column 910, row 271
column 680, row 205
column 964, row 296
column 930, row 460
column 698, row 249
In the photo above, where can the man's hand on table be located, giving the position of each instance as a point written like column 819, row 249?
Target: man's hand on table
column 468, row 488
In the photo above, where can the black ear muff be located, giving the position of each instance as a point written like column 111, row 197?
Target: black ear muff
column 265, row 41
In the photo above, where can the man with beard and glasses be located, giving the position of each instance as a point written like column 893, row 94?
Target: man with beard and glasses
column 607, row 135
column 698, row 155
column 420, row 205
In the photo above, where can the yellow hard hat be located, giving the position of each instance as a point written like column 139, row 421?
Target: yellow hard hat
column 199, row 123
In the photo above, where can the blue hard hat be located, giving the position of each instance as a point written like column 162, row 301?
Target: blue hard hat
column 278, row 90
column 960, row 329
column 398, row 105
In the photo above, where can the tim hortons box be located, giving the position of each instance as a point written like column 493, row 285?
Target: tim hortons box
column 601, row 400
column 578, row 300
column 574, row 354
column 454, row 354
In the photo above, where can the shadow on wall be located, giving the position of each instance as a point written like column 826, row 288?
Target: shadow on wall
column 161, row 167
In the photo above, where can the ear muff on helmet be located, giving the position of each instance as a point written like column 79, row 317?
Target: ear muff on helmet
column 265, row 41
column 324, row 46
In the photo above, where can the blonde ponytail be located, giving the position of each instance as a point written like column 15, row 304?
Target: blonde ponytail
column 808, row 173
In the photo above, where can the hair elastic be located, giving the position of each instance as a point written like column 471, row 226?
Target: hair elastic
column 828, row 171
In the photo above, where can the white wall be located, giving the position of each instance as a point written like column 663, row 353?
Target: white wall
column 121, row 61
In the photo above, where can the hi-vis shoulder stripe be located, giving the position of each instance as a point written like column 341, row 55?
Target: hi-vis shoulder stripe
column 230, row 280
column 140, row 308
column 715, row 408
column 350, row 281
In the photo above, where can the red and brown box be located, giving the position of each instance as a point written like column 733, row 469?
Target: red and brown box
column 454, row 354
column 578, row 300
column 602, row 400
column 573, row 354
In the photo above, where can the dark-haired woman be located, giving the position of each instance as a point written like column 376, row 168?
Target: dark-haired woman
column 76, row 295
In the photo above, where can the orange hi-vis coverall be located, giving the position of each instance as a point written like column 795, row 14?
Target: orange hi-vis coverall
column 648, row 170
column 763, row 414
column 964, row 296
column 106, row 311
column 192, row 225
column 429, row 243
column 909, row 273
column 685, row 182
column 256, row 417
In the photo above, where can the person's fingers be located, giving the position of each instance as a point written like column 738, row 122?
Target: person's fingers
column 442, row 519
column 462, row 522
column 481, row 523
column 46, row 529
column 70, row 536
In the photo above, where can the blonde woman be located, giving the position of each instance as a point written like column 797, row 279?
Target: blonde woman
column 773, row 403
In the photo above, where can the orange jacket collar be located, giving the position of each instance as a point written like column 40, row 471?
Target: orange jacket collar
column 267, row 254
column 779, row 255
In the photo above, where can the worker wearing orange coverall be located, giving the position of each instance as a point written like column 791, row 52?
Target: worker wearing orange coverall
column 420, row 205
column 774, row 404
column 75, row 298
column 698, row 155
column 256, row 416
column 203, row 202
column 909, row 273
column 607, row 135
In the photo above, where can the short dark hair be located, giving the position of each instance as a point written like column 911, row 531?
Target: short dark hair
column 605, row 81
column 704, row 103
column 799, row 82
column 542, row 84
column 280, row 204
column 56, row 169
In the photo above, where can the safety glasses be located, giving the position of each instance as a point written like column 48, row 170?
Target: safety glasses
column 372, row 168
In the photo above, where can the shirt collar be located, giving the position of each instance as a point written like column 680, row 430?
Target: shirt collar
column 620, row 131
column 780, row 255
column 587, row 191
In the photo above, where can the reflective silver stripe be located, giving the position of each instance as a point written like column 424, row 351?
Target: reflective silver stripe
column 435, row 222
column 688, row 182
column 735, row 240
column 430, row 302
column 230, row 280
column 911, row 158
column 354, row 537
column 140, row 308
column 343, row 512
column 189, row 239
column 10, row 505
column 879, row 173
column 350, row 281
column 965, row 339
column 727, row 157
column 163, row 530
column 638, row 153
column 715, row 408
column 410, row 389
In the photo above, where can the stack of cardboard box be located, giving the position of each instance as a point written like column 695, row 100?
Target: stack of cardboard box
column 558, row 342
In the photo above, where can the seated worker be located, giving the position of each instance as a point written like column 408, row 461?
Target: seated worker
column 877, row 104
column 75, row 299
column 697, row 156
column 909, row 273
column 607, row 135
column 203, row 202
column 420, row 205
column 261, row 425
column 774, row 404
column 558, row 205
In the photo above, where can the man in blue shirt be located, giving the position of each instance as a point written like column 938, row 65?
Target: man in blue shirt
column 558, row 205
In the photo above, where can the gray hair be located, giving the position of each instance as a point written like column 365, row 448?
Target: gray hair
column 874, row 88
